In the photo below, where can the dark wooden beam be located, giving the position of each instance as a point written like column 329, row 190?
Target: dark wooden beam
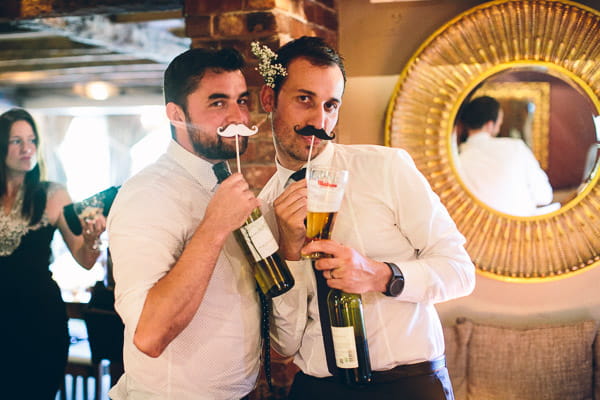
column 28, row 9
column 27, row 55
column 147, row 16
column 47, row 46
column 138, row 39
column 123, row 74
column 84, row 60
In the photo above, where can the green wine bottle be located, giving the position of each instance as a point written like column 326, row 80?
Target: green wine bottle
column 256, row 239
column 349, row 337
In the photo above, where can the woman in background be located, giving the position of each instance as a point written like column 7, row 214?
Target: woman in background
column 34, row 320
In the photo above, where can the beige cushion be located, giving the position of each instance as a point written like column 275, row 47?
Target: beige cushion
column 456, row 338
column 545, row 363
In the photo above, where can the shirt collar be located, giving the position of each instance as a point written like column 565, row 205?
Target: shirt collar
column 479, row 136
column 323, row 159
column 198, row 168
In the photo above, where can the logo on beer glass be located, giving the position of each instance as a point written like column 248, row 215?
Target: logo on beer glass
column 325, row 193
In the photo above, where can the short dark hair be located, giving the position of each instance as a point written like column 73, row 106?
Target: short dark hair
column 185, row 71
column 314, row 49
column 479, row 111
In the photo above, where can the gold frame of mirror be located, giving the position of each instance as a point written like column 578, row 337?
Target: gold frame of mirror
column 558, row 36
column 537, row 93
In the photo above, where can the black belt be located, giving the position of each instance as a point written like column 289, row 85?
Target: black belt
column 408, row 370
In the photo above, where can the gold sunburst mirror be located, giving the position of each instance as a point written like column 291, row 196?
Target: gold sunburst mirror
column 544, row 56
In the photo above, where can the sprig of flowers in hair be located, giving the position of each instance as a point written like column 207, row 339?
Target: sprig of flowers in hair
column 266, row 67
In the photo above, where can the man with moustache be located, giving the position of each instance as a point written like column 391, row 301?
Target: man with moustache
column 183, row 288
column 393, row 242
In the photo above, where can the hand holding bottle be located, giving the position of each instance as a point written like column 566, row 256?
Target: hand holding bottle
column 256, row 239
column 348, row 270
column 232, row 203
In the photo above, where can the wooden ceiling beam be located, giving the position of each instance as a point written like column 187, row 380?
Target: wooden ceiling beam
column 65, row 62
column 28, row 9
column 41, row 53
column 53, row 44
column 131, row 75
column 138, row 39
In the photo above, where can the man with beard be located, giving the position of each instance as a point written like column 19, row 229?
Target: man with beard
column 393, row 242
column 184, row 289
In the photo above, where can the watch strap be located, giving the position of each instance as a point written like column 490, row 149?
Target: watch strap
column 396, row 280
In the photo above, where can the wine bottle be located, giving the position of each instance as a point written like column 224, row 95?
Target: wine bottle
column 255, row 237
column 349, row 337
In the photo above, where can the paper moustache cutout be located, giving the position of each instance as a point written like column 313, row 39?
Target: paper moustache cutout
column 312, row 131
column 237, row 129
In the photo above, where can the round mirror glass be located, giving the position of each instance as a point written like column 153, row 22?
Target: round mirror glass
column 538, row 153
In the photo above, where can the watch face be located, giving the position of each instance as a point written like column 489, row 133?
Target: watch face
column 396, row 287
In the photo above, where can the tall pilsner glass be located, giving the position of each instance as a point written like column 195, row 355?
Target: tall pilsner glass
column 325, row 193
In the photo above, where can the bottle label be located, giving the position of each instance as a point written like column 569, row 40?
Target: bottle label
column 259, row 238
column 344, row 347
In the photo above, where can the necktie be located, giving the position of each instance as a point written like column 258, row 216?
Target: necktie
column 298, row 175
column 265, row 304
column 322, row 292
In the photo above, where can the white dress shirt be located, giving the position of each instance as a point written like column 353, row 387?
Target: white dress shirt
column 151, row 221
column 504, row 174
column 389, row 213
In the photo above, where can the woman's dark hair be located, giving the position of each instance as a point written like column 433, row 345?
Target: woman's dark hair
column 34, row 198
column 479, row 111
column 314, row 49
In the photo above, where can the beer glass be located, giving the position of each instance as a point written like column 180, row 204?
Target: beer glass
column 325, row 193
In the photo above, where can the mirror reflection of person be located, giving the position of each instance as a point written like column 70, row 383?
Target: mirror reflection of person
column 183, row 286
column 391, row 226
column 34, row 318
column 501, row 172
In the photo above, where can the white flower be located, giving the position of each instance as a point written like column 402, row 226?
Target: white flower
column 266, row 67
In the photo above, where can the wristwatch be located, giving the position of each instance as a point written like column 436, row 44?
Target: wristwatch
column 396, row 283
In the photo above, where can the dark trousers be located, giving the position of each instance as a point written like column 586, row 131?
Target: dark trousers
column 434, row 386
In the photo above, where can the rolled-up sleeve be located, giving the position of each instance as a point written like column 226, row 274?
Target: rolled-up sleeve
column 144, row 244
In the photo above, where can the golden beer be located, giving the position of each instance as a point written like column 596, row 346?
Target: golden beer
column 319, row 225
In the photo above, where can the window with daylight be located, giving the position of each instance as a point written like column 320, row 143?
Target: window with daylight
column 88, row 151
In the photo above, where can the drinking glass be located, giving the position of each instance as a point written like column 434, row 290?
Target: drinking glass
column 93, row 209
column 325, row 193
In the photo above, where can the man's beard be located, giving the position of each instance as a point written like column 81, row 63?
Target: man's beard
column 214, row 147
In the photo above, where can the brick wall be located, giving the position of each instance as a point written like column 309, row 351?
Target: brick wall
column 236, row 23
